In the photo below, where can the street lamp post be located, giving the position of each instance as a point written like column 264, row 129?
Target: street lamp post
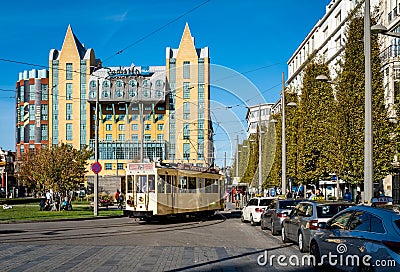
column 368, row 148
column 283, row 120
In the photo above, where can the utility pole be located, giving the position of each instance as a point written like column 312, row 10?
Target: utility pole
column 368, row 137
column 259, row 151
column 96, row 154
column 283, row 136
column 141, row 132
column 237, row 155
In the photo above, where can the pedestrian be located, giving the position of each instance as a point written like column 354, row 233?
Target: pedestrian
column 358, row 197
column 348, row 195
column 288, row 194
column 117, row 196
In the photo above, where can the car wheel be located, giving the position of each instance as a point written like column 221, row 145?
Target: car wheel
column 252, row 221
column 314, row 251
column 283, row 235
column 262, row 225
column 301, row 242
column 242, row 218
column 273, row 230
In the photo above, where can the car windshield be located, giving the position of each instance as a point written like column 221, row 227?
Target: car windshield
column 288, row 204
column 265, row 202
column 328, row 211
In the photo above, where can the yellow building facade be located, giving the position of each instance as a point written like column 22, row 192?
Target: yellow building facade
column 146, row 113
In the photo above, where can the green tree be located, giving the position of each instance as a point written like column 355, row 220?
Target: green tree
column 61, row 168
column 351, row 96
column 316, row 141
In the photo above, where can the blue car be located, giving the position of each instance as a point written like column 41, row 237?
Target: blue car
column 360, row 238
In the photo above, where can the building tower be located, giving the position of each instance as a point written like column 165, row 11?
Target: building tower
column 69, row 75
column 31, row 110
column 189, row 126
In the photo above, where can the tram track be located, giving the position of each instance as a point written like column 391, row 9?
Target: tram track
column 131, row 228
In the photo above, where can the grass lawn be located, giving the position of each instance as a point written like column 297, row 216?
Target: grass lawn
column 24, row 212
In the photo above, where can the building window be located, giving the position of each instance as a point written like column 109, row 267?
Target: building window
column 69, row 111
column 135, row 137
column 160, row 127
column 69, row 132
column 201, row 92
column 108, row 166
column 201, row 134
column 135, row 126
column 186, row 69
column 186, row 131
column 201, row 125
column 108, row 108
column 121, row 127
column 45, row 92
column 31, row 132
column 186, row 110
column 134, row 117
column 121, row 137
column 186, row 151
column 147, row 137
column 68, row 95
column 108, row 117
column 160, row 137
column 44, row 132
column 31, row 92
column 120, row 166
column 108, row 137
column 31, row 112
column 201, row 70
column 186, row 90
column 69, row 71
column 108, row 127
column 147, row 127
column 160, row 117
column 44, row 111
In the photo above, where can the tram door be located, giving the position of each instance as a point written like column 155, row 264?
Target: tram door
column 141, row 186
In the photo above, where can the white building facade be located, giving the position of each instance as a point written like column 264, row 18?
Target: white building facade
column 256, row 114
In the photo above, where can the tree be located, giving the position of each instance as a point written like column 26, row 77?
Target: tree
column 351, row 111
column 61, row 168
column 317, row 148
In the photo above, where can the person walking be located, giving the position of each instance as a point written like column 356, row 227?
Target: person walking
column 358, row 197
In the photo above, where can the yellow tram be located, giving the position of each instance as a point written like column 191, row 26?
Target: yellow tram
column 154, row 190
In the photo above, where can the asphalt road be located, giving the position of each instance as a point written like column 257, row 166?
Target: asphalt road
column 222, row 243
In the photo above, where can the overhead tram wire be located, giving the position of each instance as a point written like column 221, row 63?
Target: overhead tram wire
column 156, row 30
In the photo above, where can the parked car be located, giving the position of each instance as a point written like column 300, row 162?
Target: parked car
column 277, row 211
column 363, row 231
column 254, row 208
column 302, row 222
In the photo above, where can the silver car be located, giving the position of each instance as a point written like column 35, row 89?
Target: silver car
column 273, row 217
column 303, row 220
column 365, row 238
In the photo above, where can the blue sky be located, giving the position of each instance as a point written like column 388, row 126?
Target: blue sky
column 249, row 41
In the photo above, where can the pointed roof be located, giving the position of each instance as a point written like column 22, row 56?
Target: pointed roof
column 71, row 38
column 187, row 42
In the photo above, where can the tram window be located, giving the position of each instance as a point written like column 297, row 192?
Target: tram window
column 182, row 184
column 152, row 183
column 192, row 185
column 141, row 184
column 130, row 184
column 208, row 184
column 200, row 184
column 161, row 184
column 169, row 184
column 215, row 186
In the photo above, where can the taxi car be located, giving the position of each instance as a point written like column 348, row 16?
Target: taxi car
column 254, row 208
column 303, row 220
column 359, row 232
column 273, row 217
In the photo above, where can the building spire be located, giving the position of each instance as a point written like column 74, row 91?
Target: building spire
column 186, row 46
